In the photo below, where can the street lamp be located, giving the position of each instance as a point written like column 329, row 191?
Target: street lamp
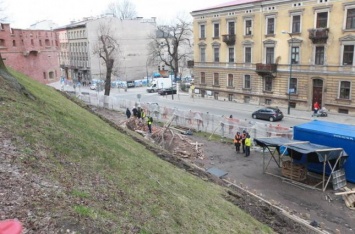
column 289, row 81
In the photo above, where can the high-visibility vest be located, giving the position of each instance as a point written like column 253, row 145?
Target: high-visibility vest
column 237, row 138
column 247, row 141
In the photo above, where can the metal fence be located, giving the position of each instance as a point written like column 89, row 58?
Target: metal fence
column 191, row 119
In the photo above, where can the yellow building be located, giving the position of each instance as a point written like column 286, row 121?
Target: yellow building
column 243, row 51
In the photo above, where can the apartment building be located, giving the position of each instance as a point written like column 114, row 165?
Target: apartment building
column 32, row 52
column 279, row 53
column 78, row 40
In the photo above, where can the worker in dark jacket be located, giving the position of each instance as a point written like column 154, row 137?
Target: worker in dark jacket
column 128, row 113
column 135, row 112
column 149, row 123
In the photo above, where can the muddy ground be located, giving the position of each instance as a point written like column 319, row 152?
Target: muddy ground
column 269, row 199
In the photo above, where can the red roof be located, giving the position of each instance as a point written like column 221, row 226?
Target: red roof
column 232, row 3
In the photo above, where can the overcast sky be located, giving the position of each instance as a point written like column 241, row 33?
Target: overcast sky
column 23, row 13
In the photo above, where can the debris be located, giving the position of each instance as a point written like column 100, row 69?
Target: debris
column 314, row 223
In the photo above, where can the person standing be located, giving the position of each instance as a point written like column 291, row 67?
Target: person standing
column 247, row 145
column 142, row 114
column 237, row 141
column 139, row 110
column 128, row 113
column 135, row 112
column 244, row 135
column 149, row 122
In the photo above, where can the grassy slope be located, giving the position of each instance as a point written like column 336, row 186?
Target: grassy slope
column 108, row 181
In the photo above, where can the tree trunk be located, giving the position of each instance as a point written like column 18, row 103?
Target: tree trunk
column 109, row 67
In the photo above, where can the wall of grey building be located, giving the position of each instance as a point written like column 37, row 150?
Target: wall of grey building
column 133, row 38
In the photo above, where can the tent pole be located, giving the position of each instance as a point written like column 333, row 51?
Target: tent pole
column 324, row 164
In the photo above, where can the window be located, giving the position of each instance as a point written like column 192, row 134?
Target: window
column 2, row 42
column 230, row 80
column 203, row 54
column 231, row 28
column 247, row 82
column 14, row 43
column 231, row 54
column 247, row 58
column 215, row 79
column 216, row 54
column 269, row 55
column 248, row 27
column 295, row 55
column 51, row 75
column 319, row 55
column 32, row 43
column 215, row 30
column 270, row 26
column 344, row 91
column 322, row 20
column 293, row 85
column 350, row 19
column 203, row 78
column 268, row 83
column 202, row 31
column 40, row 42
column 348, row 56
column 296, row 24
column 47, row 42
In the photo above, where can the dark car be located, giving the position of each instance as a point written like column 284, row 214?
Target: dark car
column 268, row 113
column 167, row 91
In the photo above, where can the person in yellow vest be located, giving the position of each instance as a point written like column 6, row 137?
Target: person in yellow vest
column 244, row 135
column 149, row 122
column 247, row 145
column 237, row 141
column 142, row 114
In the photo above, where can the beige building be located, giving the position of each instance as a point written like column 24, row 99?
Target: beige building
column 280, row 53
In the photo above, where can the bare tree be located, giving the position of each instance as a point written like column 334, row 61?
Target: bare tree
column 123, row 9
column 107, row 48
column 172, row 44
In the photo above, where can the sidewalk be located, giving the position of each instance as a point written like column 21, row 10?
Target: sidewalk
column 294, row 113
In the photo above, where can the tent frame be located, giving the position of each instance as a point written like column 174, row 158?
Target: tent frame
column 278, row 160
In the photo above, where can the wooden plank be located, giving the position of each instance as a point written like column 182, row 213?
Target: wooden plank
column 347, row 192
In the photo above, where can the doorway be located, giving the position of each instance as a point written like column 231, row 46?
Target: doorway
column 317, row 92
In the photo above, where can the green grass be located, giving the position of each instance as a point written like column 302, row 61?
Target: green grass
column 107, row 177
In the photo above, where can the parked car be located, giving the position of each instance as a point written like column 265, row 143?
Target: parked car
column 167, row 91
column 268, row 113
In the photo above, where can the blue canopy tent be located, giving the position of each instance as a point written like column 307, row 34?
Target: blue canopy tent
column 333, row 157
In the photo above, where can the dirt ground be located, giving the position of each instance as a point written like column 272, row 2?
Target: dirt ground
column 269, row 199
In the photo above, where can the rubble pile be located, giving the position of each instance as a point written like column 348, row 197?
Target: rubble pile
column 169, row 138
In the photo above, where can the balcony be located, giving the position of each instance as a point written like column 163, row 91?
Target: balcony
column 318, row 35
column 266, row 69
column 229, row 39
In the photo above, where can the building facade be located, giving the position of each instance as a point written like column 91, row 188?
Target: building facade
column 280, row 53
column 79, row 61
column 32, row 52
